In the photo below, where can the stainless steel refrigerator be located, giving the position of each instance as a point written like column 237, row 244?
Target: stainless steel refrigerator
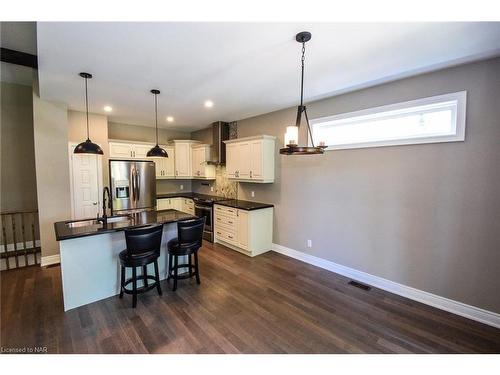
column 133, row 186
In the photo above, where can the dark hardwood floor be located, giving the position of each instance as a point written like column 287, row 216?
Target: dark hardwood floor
column 267, row 304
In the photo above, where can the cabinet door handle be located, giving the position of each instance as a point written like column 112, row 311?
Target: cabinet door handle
column 218, row 233
column 250, row 174
column 230, row 222
column 218, row 219
column 229, row 236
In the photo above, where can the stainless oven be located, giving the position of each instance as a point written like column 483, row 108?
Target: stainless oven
column 206, row 209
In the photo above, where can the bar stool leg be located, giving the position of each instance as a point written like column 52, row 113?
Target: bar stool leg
column 190, row 265
column 122, row 280
column 134, row 287
column 157, row 276
column 144, row 275
column 196, row 269
column 176, row 269
column 169, row 276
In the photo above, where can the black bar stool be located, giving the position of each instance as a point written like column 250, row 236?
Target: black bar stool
column 188, row 241
column 143, row 248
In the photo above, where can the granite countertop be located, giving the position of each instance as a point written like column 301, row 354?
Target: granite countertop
column 63, row 232
column 235, row 203
column 244, row 205
column 188, row 195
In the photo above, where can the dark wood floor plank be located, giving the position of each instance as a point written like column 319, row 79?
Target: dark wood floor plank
column 267, row 304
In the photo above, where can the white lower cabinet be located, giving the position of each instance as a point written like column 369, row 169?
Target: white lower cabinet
column 164, row 204
column 249, row 232
column 187, row 206
column 180, row 204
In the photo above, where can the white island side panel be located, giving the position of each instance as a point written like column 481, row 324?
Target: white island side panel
column 90, row 266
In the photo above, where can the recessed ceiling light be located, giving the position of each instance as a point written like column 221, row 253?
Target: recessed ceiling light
column 170, row 119
column 107, row 108
column 209, row 104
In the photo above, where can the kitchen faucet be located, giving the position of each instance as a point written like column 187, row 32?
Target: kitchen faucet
column 105, row 192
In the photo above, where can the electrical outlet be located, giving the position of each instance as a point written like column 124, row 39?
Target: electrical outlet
column 309, row 243
column 253, row 194
column 182, row 187
column 211, row 188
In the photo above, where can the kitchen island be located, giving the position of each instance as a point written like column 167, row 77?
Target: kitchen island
column 89, row 249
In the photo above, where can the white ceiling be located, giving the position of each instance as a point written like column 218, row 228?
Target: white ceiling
column 246, row 69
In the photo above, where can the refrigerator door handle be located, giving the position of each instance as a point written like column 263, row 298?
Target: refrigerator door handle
column 133, row 184
column 138, row 185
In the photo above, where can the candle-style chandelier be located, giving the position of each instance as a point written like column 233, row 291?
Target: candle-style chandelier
column 292, row 132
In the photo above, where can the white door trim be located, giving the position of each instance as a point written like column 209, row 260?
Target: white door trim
column 71, row 147
column 459, row 308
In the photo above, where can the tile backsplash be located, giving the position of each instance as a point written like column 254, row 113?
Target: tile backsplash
column 222, row 186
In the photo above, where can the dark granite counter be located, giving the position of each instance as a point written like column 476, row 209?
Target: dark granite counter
column 235, row 203
column 244, row 205
column 92, row 228
column 190, row 195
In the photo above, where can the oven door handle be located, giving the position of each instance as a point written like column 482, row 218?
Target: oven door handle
column 204, row 208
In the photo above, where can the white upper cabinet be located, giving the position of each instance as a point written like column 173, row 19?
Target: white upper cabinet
column 165, row 167
column 140, row 151
column 122, row 150
column 183, row 158
column 251, row 159
column 231, row 160
column 200, row 156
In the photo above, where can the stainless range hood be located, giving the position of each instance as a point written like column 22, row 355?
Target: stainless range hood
column 220, row 134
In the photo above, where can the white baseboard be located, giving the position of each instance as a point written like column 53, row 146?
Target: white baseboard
column 455, row 307
column 50, row 260
column 19, row 245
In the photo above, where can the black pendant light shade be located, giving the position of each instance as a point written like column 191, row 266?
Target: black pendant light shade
column 291, row 139
column 156, row 151
column 87, row 147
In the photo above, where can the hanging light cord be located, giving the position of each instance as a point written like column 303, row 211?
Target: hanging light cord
column 302, row 108
column 87, row 108
column 302, row 76
column 156, row 117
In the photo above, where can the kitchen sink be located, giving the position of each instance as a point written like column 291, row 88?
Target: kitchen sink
column 99, row 222
column 83, row 223
column 119, row 219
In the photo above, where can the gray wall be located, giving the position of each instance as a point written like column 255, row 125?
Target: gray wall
column 172, row 186
column 50, row 124
column 18, row 181
column 203, row 135
column 427, row 216
column 143, row 133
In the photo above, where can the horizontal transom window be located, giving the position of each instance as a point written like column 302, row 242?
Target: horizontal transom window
column 428, row 120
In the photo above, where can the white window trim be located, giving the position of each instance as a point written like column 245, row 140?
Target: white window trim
column 460, row 97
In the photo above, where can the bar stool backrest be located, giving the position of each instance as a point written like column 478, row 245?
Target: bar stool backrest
column 144, row 240
column 191, row 231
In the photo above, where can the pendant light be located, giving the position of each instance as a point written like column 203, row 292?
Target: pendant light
column 156, row 151
column 87, row 147
column 292, row 132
